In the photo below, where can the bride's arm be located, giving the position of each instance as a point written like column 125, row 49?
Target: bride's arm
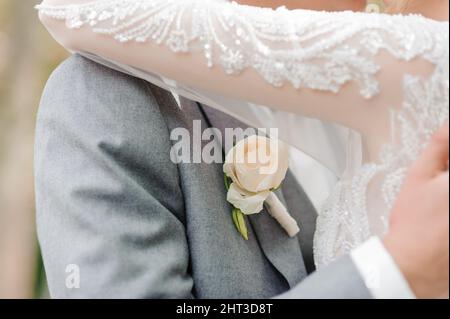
column 325, row 65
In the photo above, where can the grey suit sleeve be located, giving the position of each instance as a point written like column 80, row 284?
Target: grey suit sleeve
column 109, row 204
column 339, row 280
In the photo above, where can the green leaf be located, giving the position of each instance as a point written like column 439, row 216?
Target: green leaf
column 234, row 215
column 226, row 179
column 239, row 222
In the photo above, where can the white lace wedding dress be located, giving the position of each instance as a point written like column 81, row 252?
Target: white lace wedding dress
column 383, row 77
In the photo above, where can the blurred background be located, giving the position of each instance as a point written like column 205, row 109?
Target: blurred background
column 27, row 57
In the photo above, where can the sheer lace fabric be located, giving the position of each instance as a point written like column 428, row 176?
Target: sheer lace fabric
column 361, row 202
column 326, row 55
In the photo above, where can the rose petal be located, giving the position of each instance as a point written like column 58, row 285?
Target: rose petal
column 249, row 203
column 242, row 166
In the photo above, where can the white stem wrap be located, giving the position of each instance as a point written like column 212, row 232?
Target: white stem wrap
column 280, row 214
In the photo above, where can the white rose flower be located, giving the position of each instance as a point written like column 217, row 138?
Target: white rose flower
column 256, row 166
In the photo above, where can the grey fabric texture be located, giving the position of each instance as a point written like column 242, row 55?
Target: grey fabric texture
column 110, row 202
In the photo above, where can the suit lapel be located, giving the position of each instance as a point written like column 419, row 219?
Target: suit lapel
column 303, row 211
column 283, row 252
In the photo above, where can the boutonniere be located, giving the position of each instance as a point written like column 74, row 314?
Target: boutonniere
column 254, row 168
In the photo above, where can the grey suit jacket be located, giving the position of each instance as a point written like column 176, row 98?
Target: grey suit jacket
column 136, row 225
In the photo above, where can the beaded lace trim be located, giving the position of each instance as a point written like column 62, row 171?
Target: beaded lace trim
column 343, row 223
column 308, row 49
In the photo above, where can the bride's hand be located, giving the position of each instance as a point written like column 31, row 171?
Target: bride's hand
column 419, row 230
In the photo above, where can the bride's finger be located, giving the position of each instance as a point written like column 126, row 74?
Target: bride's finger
column 443, row 180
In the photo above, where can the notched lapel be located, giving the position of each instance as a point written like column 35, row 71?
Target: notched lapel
column 303, row 211
column 222, row 262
